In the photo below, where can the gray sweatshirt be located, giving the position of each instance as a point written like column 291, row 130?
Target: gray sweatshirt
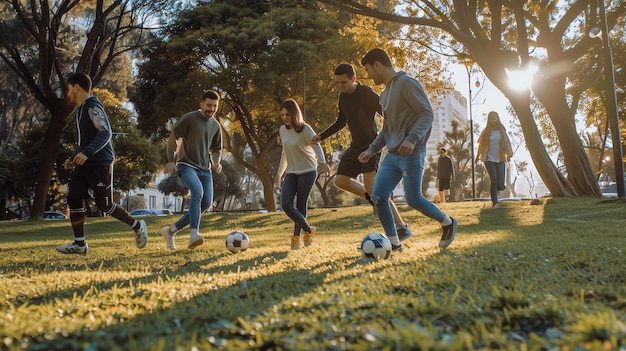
column 407, row 114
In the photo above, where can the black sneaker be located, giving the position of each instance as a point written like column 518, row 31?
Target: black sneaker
column 404, row 233
column 396, row 248
column 449, row 232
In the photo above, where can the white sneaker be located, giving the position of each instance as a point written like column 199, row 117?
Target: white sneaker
column 169, row 238
column 141, row 235
column 195, row 241
column 73, row 248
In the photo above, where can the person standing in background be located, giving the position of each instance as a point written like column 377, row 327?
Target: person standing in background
column 494, row 149
column 445, row 174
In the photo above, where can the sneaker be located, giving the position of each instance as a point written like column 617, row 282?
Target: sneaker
column 449, row 232
column 295, row 242
column 308, row 237
column 169, row 238
column 73, row 248
column 396, row 248
column 195, row 241
column 404, row 233
column 141, row 235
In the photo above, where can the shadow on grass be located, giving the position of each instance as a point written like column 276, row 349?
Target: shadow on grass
column 520, row 253
column 209, row 312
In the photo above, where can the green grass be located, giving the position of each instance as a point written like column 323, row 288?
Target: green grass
column 521, row 277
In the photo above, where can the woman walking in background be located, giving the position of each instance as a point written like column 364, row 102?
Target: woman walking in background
column 299, row 161
column 494, row 149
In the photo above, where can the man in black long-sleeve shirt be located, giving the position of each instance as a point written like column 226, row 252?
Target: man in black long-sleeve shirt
column 445, row 174
column 358, row 106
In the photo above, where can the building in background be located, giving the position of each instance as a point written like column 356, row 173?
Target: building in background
column 448, row 108
column 149, row 198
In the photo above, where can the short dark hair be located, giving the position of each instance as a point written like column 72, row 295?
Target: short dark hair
column 210, row 94
column 345, row 68
column 443, row 149
column 374, row 55
column 82, row 79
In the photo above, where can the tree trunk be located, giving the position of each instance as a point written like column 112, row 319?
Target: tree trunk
column 579, row 171
column 268, row 183
column 553, row 179
column 49, row 157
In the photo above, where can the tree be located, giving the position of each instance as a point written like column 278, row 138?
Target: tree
column 136, row 158
column 522, row 169
column 597, row 140
column 227, row 187
column 12, row 189
column 517, row 35
column 40, row 44
column 257, row 54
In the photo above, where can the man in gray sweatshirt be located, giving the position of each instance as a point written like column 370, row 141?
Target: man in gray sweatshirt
column 407, row 123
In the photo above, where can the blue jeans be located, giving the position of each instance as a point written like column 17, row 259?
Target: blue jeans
column 409, row 169
column 200, row 184
column 298, row 187
column 496, row 171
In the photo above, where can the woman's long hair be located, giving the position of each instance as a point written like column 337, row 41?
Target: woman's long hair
column 297, row 121
column 493, row 123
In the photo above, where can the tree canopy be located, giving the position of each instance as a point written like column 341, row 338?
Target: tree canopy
column 43, row 41
column 256, row 54
column 548, row 37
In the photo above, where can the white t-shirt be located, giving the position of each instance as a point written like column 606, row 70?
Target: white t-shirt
column 298, row 150
column 493, row 151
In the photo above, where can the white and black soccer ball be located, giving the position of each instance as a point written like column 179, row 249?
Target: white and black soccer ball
column 237, row 241
column 376, row 245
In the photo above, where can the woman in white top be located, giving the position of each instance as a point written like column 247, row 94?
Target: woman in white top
column 494, row 149
column 299, row 161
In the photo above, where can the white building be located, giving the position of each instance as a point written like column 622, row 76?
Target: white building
column 154, row 198
column 451, row 107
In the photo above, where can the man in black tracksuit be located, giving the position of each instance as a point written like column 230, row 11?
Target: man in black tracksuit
column 92, row 165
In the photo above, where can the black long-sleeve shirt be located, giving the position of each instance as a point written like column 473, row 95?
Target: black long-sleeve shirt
column 357, row 111
column 445, row 170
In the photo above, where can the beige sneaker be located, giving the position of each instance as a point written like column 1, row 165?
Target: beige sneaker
column 195, row 241
column 308, row 237
column 295, row 242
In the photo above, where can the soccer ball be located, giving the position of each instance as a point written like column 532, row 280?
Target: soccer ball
column 376, row 245
column 237, row 241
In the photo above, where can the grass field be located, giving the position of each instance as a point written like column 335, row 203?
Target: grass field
column 520, row 277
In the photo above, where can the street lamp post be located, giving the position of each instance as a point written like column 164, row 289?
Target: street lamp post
column 611, row 102
column 469, row 67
